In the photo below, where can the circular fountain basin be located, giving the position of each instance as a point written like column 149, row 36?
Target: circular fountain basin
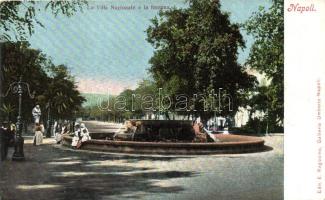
column 229, row 144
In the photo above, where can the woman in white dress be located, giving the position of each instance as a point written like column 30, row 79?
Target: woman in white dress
column 38, row 138
column 81, row 135
column 84, row 133
column 77, row 135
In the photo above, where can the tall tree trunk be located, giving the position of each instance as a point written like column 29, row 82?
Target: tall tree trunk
column 1, row 79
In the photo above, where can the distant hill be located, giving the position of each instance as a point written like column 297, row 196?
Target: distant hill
column 92, row 99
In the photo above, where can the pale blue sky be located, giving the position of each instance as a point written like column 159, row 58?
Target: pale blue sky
column 106, row 49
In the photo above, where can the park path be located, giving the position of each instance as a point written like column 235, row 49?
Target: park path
column 54, row 172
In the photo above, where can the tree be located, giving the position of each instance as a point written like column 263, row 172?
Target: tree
column 18, row 18
column 196, row 53
column 17, row 60
column 138, row 102
column 129, row 104
column 62, row 95
column 7, row 109
column 267, row 57
column 49, row 83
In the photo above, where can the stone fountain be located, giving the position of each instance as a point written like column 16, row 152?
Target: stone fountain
column 170, row 137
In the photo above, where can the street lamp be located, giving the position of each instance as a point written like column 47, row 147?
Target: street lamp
column 18, row 88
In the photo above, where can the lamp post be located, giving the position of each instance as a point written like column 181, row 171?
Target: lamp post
column 18, row 87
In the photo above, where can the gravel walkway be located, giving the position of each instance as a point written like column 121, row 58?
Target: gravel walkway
column 53, row 172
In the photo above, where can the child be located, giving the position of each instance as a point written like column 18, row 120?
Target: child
column 38, row 138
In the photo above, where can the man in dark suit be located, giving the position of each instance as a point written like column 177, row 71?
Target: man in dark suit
column 7, row 136
column 3, row 145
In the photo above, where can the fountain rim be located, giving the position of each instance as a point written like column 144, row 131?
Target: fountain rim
column 249, row 144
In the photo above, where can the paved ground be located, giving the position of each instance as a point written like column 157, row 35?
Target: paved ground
column 53, row 172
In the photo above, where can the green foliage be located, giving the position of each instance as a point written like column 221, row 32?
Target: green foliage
column 18, row 59
column 131, row 102
column 52, row 85
column 267, row 57
column 92, row 99
column 257, row 127
column 62, row 94
column 134, row 100
column 145, row 88
column 196, row 52
column 18, row 18
column 8, row 109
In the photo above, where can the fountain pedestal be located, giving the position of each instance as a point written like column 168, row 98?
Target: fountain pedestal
column 157, row 130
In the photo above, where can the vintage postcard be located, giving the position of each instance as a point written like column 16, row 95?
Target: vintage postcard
column 162, row 99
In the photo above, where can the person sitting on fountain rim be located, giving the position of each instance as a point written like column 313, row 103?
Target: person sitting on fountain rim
column 84, row 133
column 77, row 135
column 81, row 135
column 60, row 132
column 199, row 136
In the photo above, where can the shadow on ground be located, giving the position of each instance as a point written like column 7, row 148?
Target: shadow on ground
column 51, row 173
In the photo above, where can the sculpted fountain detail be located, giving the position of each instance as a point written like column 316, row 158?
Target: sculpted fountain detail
column 156, row 131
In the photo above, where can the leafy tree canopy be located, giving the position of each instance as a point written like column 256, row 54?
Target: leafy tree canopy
column 52, row 85
column 18, row 18
column 196, row 52
column 267, row 56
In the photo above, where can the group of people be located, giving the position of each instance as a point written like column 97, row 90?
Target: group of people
column 61, row 129
column 8, row 132
column 80, row 135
